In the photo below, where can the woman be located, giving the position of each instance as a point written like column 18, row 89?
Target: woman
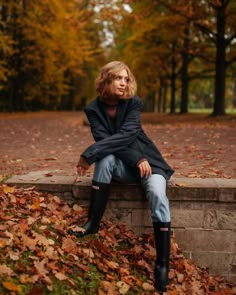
column 124, row 153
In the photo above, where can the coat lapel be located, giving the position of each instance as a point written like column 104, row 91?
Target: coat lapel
column 121, row 111
column 106, row 120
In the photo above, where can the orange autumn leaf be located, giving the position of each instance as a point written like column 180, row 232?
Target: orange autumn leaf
column 2, row 243
column 28, row 242
column 100, row 292
column 36, row 205
column 12, row 287
column 8, row 189
column 111, row 264
column 23, row 225
column 68, row 245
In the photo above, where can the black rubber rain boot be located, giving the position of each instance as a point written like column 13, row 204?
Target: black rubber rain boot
column 98, row 201
column 162, row 233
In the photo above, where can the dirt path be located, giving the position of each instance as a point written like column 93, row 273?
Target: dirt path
column 194, row 145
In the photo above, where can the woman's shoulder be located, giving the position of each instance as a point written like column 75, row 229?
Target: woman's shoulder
column 136, row 101
column 93, row 105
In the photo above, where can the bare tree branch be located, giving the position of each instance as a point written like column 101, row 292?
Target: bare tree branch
column 231, row 61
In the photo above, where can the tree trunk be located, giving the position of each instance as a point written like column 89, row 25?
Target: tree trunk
column 220, row 63
column 173, row 81
column 184, row 74
column 17, row 81
column 164, row 96
column 160, row 96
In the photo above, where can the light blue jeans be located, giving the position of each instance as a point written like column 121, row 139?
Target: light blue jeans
column 111, row 168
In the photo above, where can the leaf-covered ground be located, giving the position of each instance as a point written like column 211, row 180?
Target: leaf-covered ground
column 195, row 145
column 38, row 257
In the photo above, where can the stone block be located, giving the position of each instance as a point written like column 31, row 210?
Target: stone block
column 192, row 239
column 227, row 195
column 230, row 278
column 43, row 181
column 120, row 215
column 187, row 218
column 219, row 219
column 127, row 204
column 216, row 262
column 81, row 191
column 139, row 230
column 193, row 194
column 141, row 217
column 130, row 192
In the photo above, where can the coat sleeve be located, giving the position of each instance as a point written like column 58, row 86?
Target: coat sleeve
column 130, row 156
column 111, row 144
column 99, row 131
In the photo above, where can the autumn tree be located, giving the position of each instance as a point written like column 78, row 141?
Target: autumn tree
column 52, row 50
column 180, row 40
column 216, row 20
column 154, row 49
column 214, row 23
column 5, row 46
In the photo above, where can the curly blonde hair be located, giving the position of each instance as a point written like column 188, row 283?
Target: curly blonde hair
column 108, row 73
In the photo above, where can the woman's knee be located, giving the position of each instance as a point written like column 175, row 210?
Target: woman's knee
column 104, row 169
column 107, row 162
column 159, row 206
column 159, row 196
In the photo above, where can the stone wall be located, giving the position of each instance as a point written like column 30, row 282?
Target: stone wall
column 203, row 213
column 203, row 218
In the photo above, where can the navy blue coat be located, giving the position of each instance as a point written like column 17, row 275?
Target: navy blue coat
column 125, row 138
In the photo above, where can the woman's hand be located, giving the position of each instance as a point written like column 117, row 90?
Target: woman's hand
column 144, row 168
column 82, row 166
column 81, row 171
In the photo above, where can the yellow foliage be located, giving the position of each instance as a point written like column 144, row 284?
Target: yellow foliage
column 51, row 46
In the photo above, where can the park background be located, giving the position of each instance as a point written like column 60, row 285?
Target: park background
column 183, row 54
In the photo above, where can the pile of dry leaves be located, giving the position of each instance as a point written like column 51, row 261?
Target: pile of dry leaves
column 38, row 257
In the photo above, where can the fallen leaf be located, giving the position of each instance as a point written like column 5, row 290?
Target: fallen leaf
column 61, row 276
column 2, row 243
column 41, row 267
column 50, row 159
column 123, row 287
column 111, row 264
column 36, row 205
column 28, row 242
column 180, row 278
column 24, row 278
column 68, row 245
column 5, row 270
column 35, row 291
column 14, row 255
column 148, row 287
column 12, row 287
column 89, row 252
column 8, row 189
column 48, row 174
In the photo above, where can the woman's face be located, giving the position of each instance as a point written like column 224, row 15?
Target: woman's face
column 120, row 83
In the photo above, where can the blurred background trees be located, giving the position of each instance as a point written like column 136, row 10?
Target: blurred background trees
column 182, row 52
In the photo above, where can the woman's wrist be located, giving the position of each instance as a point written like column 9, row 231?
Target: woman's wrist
column 141, row 161
column 83, row 163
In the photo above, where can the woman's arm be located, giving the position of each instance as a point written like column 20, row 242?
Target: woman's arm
column 118, row 141
column 134, row 159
